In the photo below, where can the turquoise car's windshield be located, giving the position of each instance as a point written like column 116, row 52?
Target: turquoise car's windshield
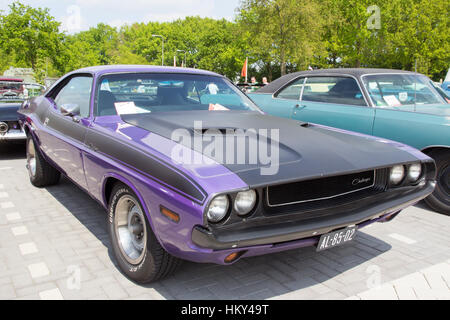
column 397, row 90
column 120, row 94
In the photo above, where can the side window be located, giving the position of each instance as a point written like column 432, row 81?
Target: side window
column 338, row 90
column 292, row 91
column 77, row 93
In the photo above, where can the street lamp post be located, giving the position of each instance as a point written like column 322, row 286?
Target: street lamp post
column 162, row 40
column 184, row 56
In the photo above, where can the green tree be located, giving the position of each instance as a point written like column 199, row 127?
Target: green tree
column 283, row 31
column 209, row 44
column 408, row 31
column 29, row 34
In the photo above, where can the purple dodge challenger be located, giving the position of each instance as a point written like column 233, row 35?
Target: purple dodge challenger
column 189, row 168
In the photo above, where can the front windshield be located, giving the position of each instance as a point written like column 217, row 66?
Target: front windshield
column 397, row 90
column 120, row 94
column 10, row 86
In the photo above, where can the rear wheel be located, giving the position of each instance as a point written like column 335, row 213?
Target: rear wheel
column 138, row 252
column 41, row 173
column 439, row 200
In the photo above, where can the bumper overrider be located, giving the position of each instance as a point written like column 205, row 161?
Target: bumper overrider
column 286, row 232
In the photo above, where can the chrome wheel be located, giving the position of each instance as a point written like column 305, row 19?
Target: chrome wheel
column 31, row 158
column 130, row 228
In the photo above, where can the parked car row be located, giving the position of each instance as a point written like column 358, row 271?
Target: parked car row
column 188, row 173
column 392, row 104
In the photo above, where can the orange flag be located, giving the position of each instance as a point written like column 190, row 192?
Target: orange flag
column 245, row 69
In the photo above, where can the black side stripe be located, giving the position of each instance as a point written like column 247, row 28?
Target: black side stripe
column 147, row 164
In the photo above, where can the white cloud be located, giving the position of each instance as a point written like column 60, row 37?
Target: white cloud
column 120, row 12
column 149, row 10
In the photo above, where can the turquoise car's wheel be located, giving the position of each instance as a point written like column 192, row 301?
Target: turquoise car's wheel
column 138, row 252
column 440, row 199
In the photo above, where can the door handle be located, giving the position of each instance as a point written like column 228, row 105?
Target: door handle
column 298, row 107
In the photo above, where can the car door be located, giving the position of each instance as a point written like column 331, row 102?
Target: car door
column 64, row 141
column 335, row 101
column 282, row 103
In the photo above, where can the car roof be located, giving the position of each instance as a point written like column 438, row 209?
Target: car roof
column 142, row 68
column 355, row 72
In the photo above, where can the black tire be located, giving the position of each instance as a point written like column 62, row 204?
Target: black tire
column 439, row 200
column 44, row 174
column 155, row 263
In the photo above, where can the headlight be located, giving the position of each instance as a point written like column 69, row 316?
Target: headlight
column 218, row 209
column 414, row 172
column 397, row 174
column 245, row 202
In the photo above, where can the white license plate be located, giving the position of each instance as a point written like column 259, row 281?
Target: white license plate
column 337, row 238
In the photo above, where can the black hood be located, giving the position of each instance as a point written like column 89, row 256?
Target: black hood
column 305, row 151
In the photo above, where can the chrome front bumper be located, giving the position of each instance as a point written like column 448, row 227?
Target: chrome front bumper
column 13, row 135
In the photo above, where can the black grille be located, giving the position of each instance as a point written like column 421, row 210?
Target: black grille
column 326, row 188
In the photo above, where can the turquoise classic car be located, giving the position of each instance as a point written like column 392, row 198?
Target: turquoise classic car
column 396, row 105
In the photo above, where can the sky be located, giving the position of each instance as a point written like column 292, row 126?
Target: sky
column 79, row 15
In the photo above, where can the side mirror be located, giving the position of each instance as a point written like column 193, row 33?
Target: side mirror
column 70, row 109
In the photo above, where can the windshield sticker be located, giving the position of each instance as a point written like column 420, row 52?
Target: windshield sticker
column 403, row 96
column 105, row 86
column 373, row 85
column 392, row 101
column 123, row 108
column 217, row 107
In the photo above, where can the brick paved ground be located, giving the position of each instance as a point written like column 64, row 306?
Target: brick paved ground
column 51, row 237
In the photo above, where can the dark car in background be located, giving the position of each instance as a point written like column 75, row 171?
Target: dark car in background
column 13, row 92
column 11, row 88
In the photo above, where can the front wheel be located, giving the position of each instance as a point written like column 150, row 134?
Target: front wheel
column 439, row 200
column 138, row 252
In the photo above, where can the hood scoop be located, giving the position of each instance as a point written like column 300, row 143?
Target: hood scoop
column 223, row 131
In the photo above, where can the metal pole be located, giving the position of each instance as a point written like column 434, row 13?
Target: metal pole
column 184, row 62
column 162, row 51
